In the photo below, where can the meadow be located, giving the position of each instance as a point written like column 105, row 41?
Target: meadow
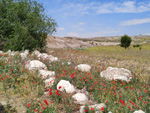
column 23, row 91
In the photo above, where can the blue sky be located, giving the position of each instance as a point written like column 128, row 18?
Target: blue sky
column 95, row 18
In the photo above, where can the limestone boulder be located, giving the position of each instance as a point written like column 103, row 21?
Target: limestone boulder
column 52, row 58
column 139, row 111
column 48, row 57
column 46, row 74
column 35, row 65
column 49, row 82
column 24, row 54
column 96, row 107
column 65, row 85
column 80, row 98
column 113, row 73
column 83, row 67
column 36, row 52
column 1, row 52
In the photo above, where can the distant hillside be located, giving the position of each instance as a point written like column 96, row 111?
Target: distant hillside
column 75, row 42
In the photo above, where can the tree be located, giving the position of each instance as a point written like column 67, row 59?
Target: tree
column 24, row 25
column 125, row 41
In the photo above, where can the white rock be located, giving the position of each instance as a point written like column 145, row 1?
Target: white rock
column 36, row 52
column 97, row 107
column 139, row 111
column 109, row 112
column 112, row 73
column 24, row 54
column 46, row 56
column 65, row 85
column 80, row 98
column 12, row 53
column 9, row 51
column 52, row 58
column 83, row 67
column 43, row 55
column 68, row 63
column 49, row 82
column 45, row 73
column 35, row 64
column 1, row 52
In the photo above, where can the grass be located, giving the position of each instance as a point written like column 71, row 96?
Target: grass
column 24, row 90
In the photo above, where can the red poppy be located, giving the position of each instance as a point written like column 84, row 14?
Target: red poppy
column 45, row 101
column 102, row 108
column 50, row 93
column 85, row 110
column 59, row 87
column 44, row 108
column 92, row 109
column 57, row 92
column 28, row 104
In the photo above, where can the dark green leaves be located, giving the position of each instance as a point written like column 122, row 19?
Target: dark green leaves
column 24, row 25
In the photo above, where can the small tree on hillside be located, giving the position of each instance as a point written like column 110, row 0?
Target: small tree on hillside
column 125, row 41
column 24, row 25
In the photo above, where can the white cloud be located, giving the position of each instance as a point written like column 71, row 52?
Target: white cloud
column 61, row 28
column 147, row 34
column 78, row 25
column 72, row 34
column 125, row 7
column 81, row 23
column 135, row 22
column 75, row 9
column 92, row 34
column 81, row 29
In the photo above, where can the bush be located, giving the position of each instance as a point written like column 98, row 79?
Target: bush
column 125, row 41
column 24, row 25
column 137, row 45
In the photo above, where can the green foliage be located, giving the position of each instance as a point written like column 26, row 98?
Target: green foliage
column 24, row 25
column 137, row 45
column 125, row 41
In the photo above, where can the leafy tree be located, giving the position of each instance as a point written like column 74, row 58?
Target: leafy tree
column 125, row 41
column 24, row 25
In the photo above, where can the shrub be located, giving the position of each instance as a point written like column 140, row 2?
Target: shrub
column 24, row 25
column 137, row 45
column 125, row 41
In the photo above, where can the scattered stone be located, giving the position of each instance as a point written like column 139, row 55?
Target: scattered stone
column 4, row 103
column 42, row 55
column 96, row 107
column 80, row 98
column 83, row 90
column 24, row 54
column 65, row 85
column 52, row 58
column 46, row 74
column 112, row 73
column 35, row 65
column 83, row 67
column 36, row 52
column 46, row 56
column 68, row 63
column 139, row 111
column 1, row 52
column 49, row 82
